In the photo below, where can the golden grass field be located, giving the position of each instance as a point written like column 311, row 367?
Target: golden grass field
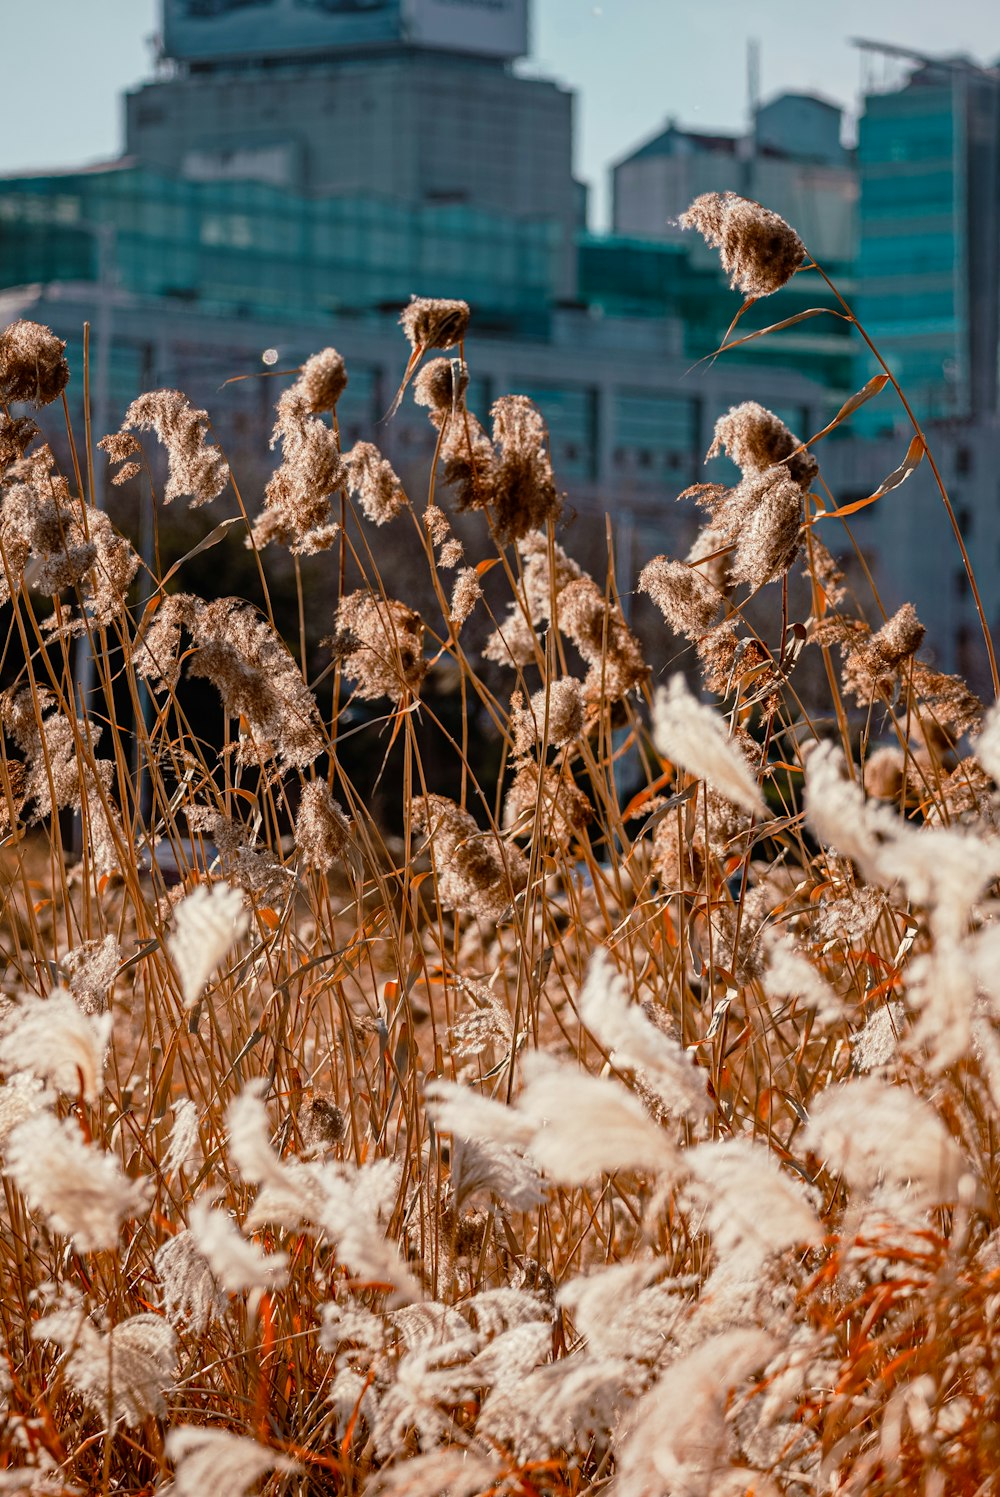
column 623, row 1119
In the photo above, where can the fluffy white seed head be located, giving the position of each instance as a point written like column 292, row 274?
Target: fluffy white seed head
column 53, row 1039
column 692, row 735
column 77, row 1187
column 678, row 1438
column 183, row 1139
column 752, row 1208
column 207, row 924
column 873, row 1132
column 131, row 1368
column 234, row 1262
column 636, row 1044
column 586, row 1126
column 213, row 1460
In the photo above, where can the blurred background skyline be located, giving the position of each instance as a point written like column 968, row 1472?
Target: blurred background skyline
column 633, row 63
column 217, row 186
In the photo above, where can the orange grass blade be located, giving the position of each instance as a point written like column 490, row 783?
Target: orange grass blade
column 912, row 460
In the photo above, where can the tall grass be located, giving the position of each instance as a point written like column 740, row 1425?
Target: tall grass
column 622, row 1118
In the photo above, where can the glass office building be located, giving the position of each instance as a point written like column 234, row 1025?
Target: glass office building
column 929, row 260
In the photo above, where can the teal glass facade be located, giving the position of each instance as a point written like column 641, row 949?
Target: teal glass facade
column 250, row 249
column 645, row 278
column 912, row 261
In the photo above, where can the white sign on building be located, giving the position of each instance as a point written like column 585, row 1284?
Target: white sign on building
column 214, row 30
column 498, row 28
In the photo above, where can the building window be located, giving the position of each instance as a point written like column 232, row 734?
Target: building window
column 965, row 651
column 963, row 461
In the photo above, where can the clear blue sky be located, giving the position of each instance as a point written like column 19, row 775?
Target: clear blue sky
column 632, row 62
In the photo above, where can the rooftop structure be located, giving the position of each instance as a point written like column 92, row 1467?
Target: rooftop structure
column 224, row 33
column 404, row 101
column 792, row 161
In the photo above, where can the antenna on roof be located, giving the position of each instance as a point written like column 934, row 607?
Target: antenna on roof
column 753, row 81
column 747, row 148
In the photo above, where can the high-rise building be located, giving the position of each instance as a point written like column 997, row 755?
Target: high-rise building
column 411, row 101
column 929, row 256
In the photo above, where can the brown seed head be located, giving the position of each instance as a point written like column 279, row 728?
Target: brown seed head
column 195, row 467
column 322, row 831
column 968, row 791
column 603, row 639
column 850, row 921
column 469, row 462
column 687, row 600
column 441, row 385
column 381, row 642
column 948, row 701
column 465, row 595
column 15, row 434
column 555, row 715
column 119, row 445
column 872, row 662
column 372, row 480
column 244, row 861
column 677, row 860
column 91, row 969
column 33, row 367
column 433, row 322
column 559, row 814
column 718, row 652
column 885, row 771
column 40, row 522
column 321, row 1124
column 126, row 473
column 899, row 638
column 514, row 640
column 770, row 535
column 115, row 566
column 437, row 524
column 297, row 498
column 475, row 872
column 257, row 678
column 524, row 492
column 760, row 252
column 756, row 439
column 322, row 380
